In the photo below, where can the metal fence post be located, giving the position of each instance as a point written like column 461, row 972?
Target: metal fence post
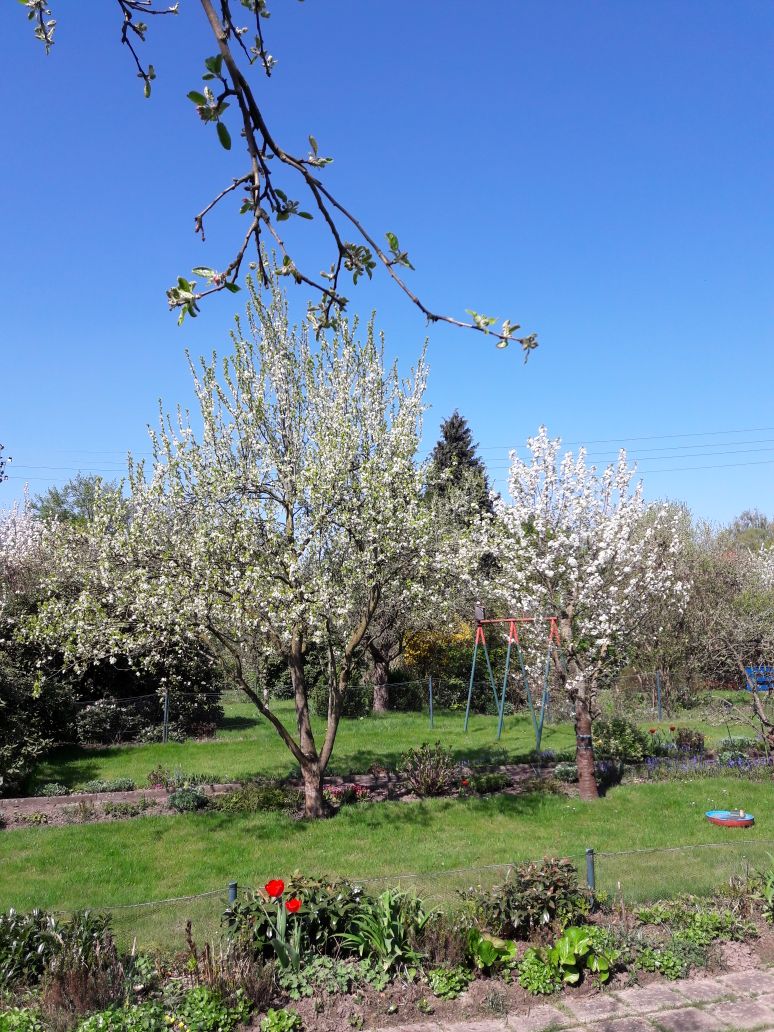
column 165, row 733
column 591, row 877
column 232, row 892
column 430, row 690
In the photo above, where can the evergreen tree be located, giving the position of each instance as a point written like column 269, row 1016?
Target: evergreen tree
column 455, row 468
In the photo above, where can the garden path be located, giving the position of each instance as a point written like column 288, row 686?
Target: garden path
column 738, row 1002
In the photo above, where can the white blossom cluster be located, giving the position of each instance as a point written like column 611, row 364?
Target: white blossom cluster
column 580, row 544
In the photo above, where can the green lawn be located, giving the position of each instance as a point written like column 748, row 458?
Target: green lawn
column 157, row 857
column 246, row 744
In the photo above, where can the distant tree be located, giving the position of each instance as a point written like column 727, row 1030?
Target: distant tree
column 75, row 501
column 272, row 184
column 457, row 474
column 751, row 529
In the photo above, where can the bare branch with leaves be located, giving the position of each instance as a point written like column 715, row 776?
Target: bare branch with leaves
column 266, row 190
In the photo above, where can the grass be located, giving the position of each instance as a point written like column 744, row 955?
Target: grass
column 246, row 744
column 105, row 865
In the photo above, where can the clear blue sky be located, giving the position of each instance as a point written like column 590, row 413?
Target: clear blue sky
column 599, row 170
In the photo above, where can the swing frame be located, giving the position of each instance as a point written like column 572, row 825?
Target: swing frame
column 538, row 719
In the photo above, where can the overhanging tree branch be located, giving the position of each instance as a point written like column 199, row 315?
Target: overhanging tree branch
column 265, row 200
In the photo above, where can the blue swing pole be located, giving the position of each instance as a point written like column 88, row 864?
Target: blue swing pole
column 472, row 675
column 491, row 675
column 544, row 700
column 501, row 714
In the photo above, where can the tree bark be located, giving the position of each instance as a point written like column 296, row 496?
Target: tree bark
column 311, row 768
column 381, row 687
column 584, row 750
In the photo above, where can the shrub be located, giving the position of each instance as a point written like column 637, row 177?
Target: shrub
column 486, row 783
column 52, row 788
column 187, row 800
column 255, row 798
column 163, row 777
column 122, row 810
column 105, row 722
column 582, row 949
column 204, row 1010
column 566, row 772
column 533, row 896
column 112, row 785
column 620, row 739
column 688, row 740
column 429, row 770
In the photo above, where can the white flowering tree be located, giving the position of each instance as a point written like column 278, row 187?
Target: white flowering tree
column 288, row 522
column 573, row 543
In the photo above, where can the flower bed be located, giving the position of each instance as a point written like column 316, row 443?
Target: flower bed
column 321, row 955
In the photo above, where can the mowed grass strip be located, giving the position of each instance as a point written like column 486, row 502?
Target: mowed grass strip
column 151, row 858
column 247, row 745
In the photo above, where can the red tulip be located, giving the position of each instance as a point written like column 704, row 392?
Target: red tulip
column 293, row 906
column 274, row 888
column 652, row 730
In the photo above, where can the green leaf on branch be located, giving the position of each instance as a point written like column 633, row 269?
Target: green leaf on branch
column 313, row 145
column 224, row 136
column 198, row 98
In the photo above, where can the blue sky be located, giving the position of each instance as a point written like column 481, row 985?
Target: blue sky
column 599, row 170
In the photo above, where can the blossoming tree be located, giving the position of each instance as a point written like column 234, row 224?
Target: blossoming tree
column 575, row 544
column 289, row 521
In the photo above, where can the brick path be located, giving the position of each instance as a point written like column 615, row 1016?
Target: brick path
column 739, row 1002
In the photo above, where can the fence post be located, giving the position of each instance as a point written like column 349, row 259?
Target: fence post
column 165, row 733
column 430, row 690
column 232, row 891
column 591, row 878
column 658, row 692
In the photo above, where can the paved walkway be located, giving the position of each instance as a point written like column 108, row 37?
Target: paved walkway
column 742, row 1002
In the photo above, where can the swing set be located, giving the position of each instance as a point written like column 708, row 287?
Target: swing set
column 537, row 714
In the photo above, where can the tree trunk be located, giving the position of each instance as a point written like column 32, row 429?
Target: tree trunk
column 314, row 803
column 584, row 750
column 311, row 768
column 381, row 687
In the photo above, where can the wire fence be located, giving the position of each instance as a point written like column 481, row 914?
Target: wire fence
column 632, row 876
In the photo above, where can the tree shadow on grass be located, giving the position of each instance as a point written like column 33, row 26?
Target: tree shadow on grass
column 238, row 723
column 69, row 765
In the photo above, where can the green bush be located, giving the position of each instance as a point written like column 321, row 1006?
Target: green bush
column 620, row 739
column 30, row 942
column 490, row 953
column 429, row 770
column 187, row 800
column 52, row 788
column 533, row 896
column 114, row 785
column 486, row 783
column 386, row 929
column 256, row 798
column 204, row 1010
